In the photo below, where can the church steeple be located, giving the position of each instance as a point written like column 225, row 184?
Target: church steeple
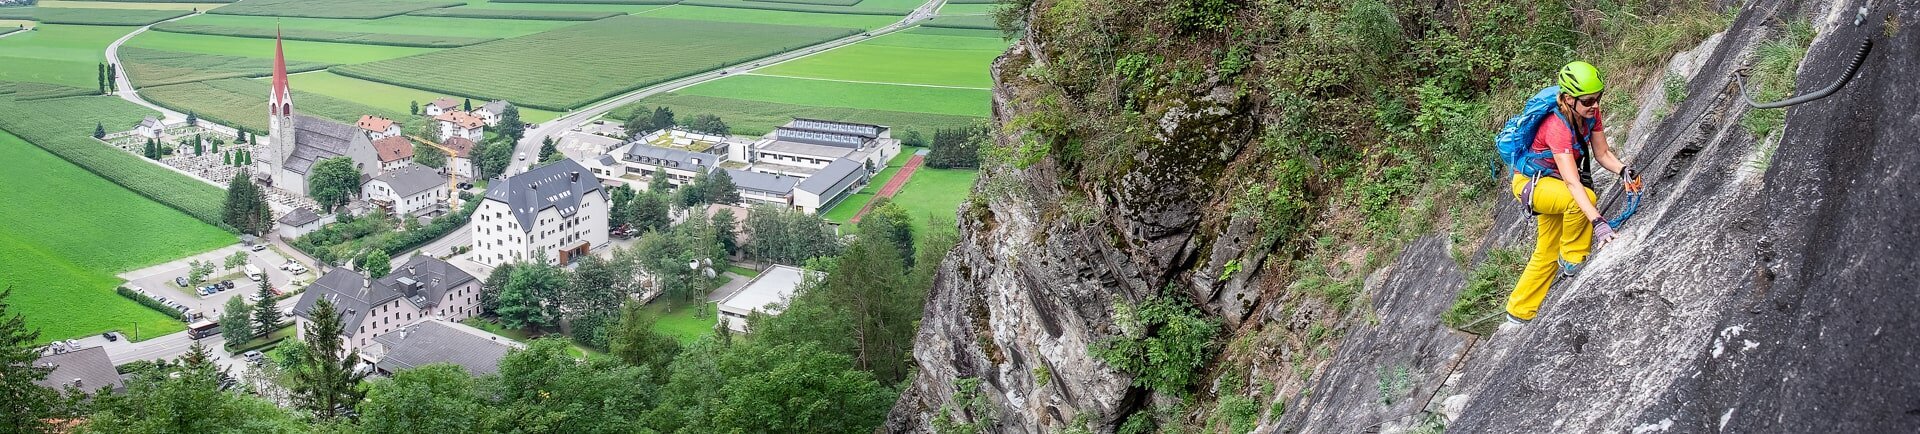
column 280, row 100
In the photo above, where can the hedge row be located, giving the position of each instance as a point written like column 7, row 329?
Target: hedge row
column 64, row 127
column 595, row 2
column 506, row 14
column 796, row 7
column 421, row 41
column 90, row 16
column 149, row 302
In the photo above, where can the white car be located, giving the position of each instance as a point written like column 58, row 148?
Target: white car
column 523, row 156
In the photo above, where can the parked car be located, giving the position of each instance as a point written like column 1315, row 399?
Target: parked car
column 180, row 281
column 110, row 337
column 253, row 357
column 258, row 247
column 226, row 284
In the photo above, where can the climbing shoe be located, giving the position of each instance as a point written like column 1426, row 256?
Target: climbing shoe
column 1514, row 320
column 1567, row 269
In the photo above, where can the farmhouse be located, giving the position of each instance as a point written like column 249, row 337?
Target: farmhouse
column 378, row 127
column 455, row 123
column 393, row 151
column 302, row 221
column 439, row 106
column 411, row 190
column 422, row 288
column 556, row 212
column 766, row 293
column 88, row 370
column 461, row 163
column 490, row 112
column 438, row 341
column 296, row 142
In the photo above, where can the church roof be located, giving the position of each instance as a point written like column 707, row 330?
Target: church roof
column 316, row 139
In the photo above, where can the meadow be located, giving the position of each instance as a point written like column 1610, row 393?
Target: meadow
column 825, row 93
column 323, row 35
column 872, row 7
column 59, row 54
column 300, row 51
column 601, row 2
column 903, row 57
column 384, row 96
column 732, row 15
column 759, row 117
column 90, row 16
column 242, row 102
column 569, row 6
column 64, row 127
column 967, row 9
column 62, row 269
column 362, row 9
column 177, row 5
column 979, row 22
column 511, row 14
column 394, row 25
column 149, row 68
column 604, row 58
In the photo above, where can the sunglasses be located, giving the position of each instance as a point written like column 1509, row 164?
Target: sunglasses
column 1589, row 100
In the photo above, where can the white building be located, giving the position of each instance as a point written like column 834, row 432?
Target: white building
column 150, row 128
column 490, row 112
column 767, row 293
column 461, row 163
column 378, row 127
column 393, row 152
column 805, row 165
column 296, row 142
column 302, row 221
column 557, row 211
column 410, row 190
column 422, row 288
column 455, row 123
column 439, row 106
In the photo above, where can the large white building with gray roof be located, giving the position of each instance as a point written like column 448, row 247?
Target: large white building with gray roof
column 557, row 211
column 408, row 190
column 806, row 165
column 422, row 288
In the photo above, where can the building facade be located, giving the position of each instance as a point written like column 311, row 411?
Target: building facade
column 411, row 190
column 557, row 212
column 421, row 288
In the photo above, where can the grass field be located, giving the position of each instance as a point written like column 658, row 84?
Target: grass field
column 382, row 95
column 980, row 22
column 510, row 14
column 324, row 35
column 115, row 4
column 240, row 102
column 63, row 127
column 967, row 9
column 874, row 7
column 605, row 2
column 844, row 211
column 91, row 17
column 66, row 55
column 158, row 68
column 395, row 25
column 62, row 269
column 904, row 57
column 16, row 24
column 759, row 117
column 363, row 9
column 681, row 322
column 300, row 51
column 603, row 58
column 934, row 194
column 822, row 93
column 732, row 15
column 4, row 29
column 564, row 7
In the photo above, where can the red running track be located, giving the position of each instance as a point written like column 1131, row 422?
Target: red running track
column 893, row 186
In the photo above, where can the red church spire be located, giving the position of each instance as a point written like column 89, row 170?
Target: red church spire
column 280, row 101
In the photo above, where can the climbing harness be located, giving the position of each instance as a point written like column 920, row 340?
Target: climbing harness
column 1859, row 56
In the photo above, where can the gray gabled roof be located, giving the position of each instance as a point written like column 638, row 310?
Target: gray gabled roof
column 316, row 139
column 643, row 153
column 412, row 179
column 91, row 366
column 423, row 280
column 439, row 341
column 830, row 180
column 559, row 185
column 495, row 106
column 299, row 217
column 776, row 184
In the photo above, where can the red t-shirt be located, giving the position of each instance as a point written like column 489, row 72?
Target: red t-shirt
column 1554, row 135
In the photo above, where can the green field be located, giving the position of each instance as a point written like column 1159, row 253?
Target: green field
column 122, row 4
column 597, row 2
column 66, row 55
column 242, row 102
column 324, row 36
column 300, row 51
column 980, row 22
column 62, row 269
column 844, row 211
column 510, row 14
column 603, row 58
column 395, row 25
column 759, row 117
column 967, row 9
column 363, row 9
column 875, row 7
column 63, row 127
column 89, row 16
column 382, row 95
column 681, row 322
column 158, row 68
column 934, row 194
column 904, row 57
column 731, row 15
column 822, row 93
column 563, row 7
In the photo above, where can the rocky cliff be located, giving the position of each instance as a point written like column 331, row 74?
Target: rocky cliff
column 1763, row 285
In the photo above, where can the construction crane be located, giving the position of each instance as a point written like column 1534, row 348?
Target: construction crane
column 453, row 186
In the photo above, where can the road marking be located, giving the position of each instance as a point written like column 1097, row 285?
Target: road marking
column 867, row 82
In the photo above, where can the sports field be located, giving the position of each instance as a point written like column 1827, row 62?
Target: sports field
column 68, row 235
column 603, row 58
column 930, row 193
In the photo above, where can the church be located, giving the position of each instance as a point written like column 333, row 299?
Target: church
column 295, row 143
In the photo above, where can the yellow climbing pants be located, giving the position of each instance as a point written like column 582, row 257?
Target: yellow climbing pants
column 1564, row 234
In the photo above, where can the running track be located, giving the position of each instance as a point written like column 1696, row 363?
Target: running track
column 893, row 186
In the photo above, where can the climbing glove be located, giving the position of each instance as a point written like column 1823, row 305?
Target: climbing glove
column 1602, row 233
column 1630, row 180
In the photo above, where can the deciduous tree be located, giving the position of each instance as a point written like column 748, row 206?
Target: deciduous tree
column 334, row 181
column 510, row 124
column 378, row 264
column 235, row 322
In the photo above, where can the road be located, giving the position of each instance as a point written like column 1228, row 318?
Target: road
column 124, row 87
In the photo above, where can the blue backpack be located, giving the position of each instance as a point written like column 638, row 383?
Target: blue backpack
column 1513, row 147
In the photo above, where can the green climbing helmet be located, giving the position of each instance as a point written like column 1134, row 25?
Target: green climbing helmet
column 1580, row 79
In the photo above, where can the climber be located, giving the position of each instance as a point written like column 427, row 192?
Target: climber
column 1567, row 217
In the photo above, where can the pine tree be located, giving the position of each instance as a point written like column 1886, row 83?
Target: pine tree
column 414, row 109
column 193, row 119
column 468, row 106
column 266, row 316
column 99, row 130
column 199, row 146
column 26, row 403
column 103, row 78
column 325, row 382
column 226, row 158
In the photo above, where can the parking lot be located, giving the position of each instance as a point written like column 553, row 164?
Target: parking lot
column 159, row 280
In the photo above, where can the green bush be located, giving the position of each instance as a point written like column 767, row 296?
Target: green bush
column 1164, row 342
column 1485, row 294
column 149, row 302
column 422, row 41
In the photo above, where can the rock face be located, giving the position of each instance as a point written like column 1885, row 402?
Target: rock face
column 1743, row 297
